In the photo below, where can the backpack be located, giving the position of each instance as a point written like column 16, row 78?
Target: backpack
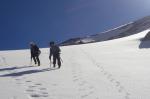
column 39, row 52
column 55, row 50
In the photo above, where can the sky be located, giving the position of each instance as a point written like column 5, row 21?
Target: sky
column 42, row 21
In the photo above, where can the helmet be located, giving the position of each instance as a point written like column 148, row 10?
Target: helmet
column 32, row 43
column 52, row 43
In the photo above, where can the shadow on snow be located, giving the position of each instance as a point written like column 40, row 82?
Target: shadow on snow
column 26, row 72
column 14, row 68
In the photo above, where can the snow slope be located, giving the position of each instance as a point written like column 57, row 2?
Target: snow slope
column 115, row 69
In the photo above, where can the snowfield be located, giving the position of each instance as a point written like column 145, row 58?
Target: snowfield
column 115, row 69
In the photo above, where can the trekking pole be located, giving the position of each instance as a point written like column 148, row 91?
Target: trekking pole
column 31, row 62
column 61, row 59
column 50, row 63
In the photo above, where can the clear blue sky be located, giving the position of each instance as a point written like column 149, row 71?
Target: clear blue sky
column 22, row 21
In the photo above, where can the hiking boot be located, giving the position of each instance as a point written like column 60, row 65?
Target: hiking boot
column 59, row 66
column 54, row 65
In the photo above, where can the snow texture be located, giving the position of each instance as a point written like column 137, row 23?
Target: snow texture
column 115, row 69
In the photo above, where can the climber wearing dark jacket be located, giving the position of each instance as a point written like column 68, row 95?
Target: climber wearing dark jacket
column 55, row 52
column 35, row 52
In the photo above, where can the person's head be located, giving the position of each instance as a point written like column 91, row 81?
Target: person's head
column 32, row 43
column 52, row 43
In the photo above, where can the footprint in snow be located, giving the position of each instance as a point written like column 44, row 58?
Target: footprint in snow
column 82, row 89
column 127, row 96
column 91, row 92
column 19, row 83
column 30, row 90
column 112, row 80
column 45, row 93
column 54, row 85
column 17, row 79
column 42, row 88
column 76, row 80
column 109, row 76
column 39, row 84
column 120, row 89
column 28, row 81
column 91, row 87
column 32, row 86
column 75, row 76
column 117, row 83
column 35, row 95
column 84, row 96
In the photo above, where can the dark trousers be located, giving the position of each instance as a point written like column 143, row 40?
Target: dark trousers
column 56, row 58
column 36, row 60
